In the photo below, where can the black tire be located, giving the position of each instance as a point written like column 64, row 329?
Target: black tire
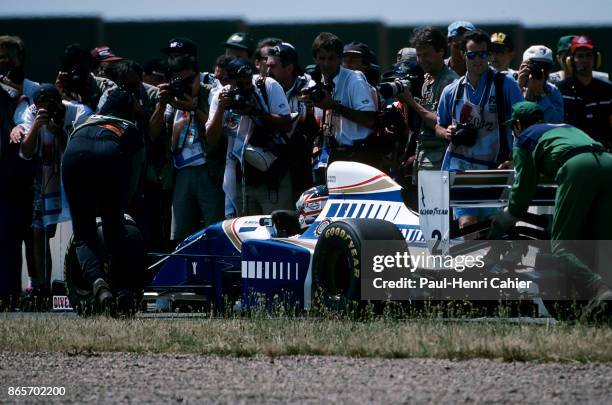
column 337, row 259
column 78, row 289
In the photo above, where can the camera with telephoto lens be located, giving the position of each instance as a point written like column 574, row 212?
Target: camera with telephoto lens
column 537, row 69
column 403, row 75
column 180, row 86
column 465, row 135
column 392, row 89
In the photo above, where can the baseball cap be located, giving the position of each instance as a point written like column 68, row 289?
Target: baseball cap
column 500, row 40
column 182, row 46
column 240, row 40
column 286, row 53
column 104, row 54
column 581, row 41
column 240, row 68
column 46, row 90
column 564, row 43
column 357, row 47
column 457, row 28
column 406, row 54
column 524, row 110
column 538, row 53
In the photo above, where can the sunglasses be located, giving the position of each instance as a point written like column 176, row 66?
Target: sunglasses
column 474, row 54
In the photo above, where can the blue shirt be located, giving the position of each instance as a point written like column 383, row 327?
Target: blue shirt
column 479, row 110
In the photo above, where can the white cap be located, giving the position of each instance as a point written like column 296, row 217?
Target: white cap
column 538, row 53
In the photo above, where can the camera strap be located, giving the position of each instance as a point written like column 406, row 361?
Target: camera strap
column 460, row 90
column 504, row 149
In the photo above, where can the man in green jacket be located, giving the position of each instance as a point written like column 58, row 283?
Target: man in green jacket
column 583, row 204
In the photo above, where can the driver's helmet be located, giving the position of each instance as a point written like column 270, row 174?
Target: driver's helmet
column 310, row 205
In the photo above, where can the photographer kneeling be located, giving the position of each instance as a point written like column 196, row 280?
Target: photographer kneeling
column 253, row 112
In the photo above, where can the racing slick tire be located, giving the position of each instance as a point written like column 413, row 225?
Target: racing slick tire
column 78, row 290
column 337, row 259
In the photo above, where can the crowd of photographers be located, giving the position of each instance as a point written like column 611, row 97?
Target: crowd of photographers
column 253, row 134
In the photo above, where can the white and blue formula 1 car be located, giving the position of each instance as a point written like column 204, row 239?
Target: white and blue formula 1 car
column 271, row 257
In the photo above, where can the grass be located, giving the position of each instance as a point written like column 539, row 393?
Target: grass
column 245, row 337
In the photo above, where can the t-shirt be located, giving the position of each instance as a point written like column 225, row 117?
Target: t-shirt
column 589, row 107
column 432, row 90
column 352, row 90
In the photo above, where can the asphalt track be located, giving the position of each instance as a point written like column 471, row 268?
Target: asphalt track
column 149, row 378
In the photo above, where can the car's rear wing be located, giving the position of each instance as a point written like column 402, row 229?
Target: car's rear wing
column 441, row 191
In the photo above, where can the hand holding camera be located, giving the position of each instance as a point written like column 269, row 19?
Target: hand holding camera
column 532, row 77
column 318, row 95
column 464, row 135
column 241, row 101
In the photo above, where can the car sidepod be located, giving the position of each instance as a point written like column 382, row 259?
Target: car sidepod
column 277, row 271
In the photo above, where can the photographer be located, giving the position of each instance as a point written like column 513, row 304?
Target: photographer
column 456, row 60
column 502, row 53
column 283, row 66
column 533, row 80
column 430, row 49
column 346, row 107
column 471, row 115
column 358, row 56
column 181, row 113
column 75, row 80
column 563, row 47
column 587, row 100
column 261, row 54
column 17, row 92
column 240, row 45
column 254, row 113
column 47, row 124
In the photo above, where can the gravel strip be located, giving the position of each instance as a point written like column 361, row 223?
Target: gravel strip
column 152, row 378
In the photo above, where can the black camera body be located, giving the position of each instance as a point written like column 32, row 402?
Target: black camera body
column 239, row 100
column 465, row 135
column 56, row 115
column 537, row 69
column 74, row 79
column 316, row 92
column 179, row 87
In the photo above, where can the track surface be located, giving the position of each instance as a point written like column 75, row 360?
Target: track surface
column 149, row 378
